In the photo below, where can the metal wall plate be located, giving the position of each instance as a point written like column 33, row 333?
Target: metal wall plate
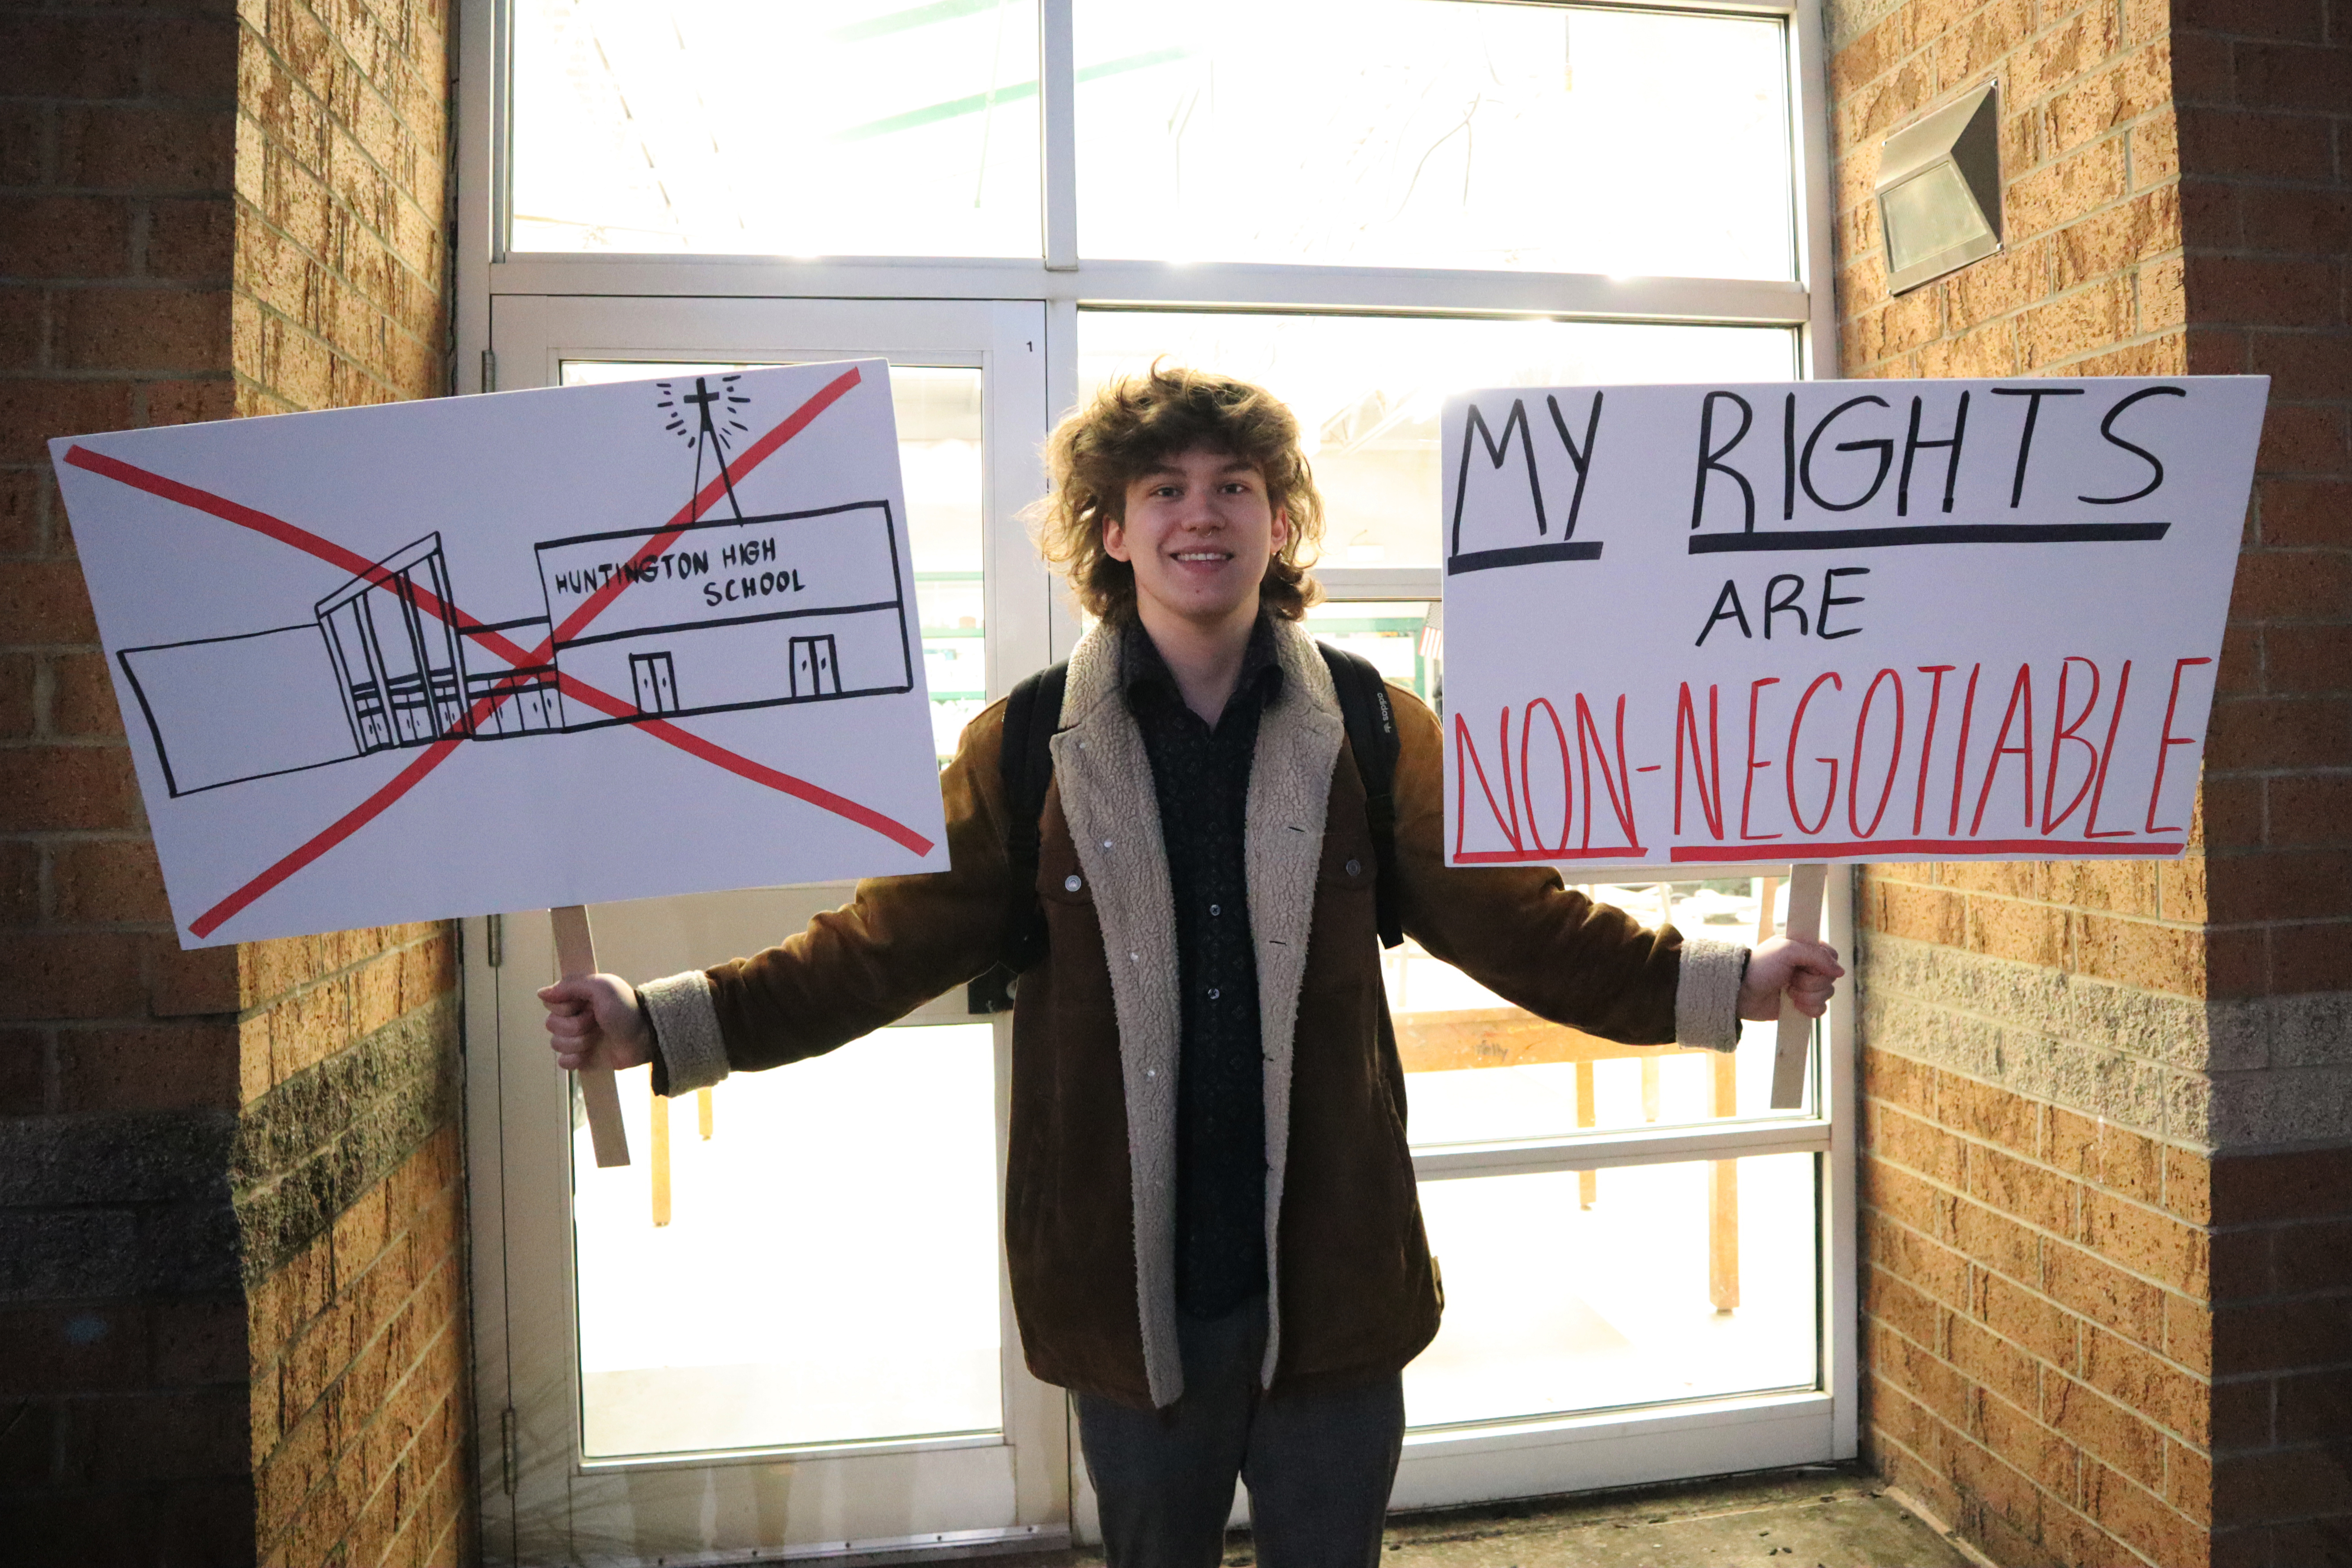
column 1939, row 190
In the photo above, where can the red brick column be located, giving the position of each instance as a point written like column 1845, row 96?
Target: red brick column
column 2106, row 1173
column 351, row 1198
column 2265, row 109
column 122, row 1356
column 232, row 1292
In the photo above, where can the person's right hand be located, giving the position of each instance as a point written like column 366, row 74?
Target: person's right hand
column 595, row 1021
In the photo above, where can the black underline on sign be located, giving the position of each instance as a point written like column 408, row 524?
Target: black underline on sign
column 1522, row 555
column 1926, row 533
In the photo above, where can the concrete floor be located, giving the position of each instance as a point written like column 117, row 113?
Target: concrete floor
column 1816, row 1517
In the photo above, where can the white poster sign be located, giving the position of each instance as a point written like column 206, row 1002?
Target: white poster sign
column 496, row 653
column 1901, row 620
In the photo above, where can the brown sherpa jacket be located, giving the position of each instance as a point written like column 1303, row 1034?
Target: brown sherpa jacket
column 1091, row 1183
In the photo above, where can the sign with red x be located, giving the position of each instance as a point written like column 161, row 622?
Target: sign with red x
column 508, row 652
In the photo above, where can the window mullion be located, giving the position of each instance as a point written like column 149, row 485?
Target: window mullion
column 1058, row 89
column 1641, row 1146
column 1809, row 166
column 1342, row 584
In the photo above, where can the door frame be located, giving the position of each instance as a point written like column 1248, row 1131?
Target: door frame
column 1515, row 1459
column 1028, row 627
column 541, row 1498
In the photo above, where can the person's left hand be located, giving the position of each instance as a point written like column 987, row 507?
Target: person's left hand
column 596, row 1020
column 1807, row 971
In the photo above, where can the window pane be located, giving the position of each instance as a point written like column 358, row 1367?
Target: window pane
column 1392, row 636
column 937, row 408
column 1367, row 389
column 867, row 1310
column 859, row 128
column 1421, row 133
column 1656, row 1284
column 937, row 411
column 1480, row 1070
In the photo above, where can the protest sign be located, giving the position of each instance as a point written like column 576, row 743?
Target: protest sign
column 1836, row 621
column 530, row 649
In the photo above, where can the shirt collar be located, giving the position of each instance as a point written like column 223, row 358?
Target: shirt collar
column 1142, row 664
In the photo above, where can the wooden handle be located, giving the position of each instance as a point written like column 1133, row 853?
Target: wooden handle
column 576, row 954
column 1806, row 881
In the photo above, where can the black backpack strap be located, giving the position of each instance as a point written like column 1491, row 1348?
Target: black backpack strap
column 1025, row 769
column 1371, row 718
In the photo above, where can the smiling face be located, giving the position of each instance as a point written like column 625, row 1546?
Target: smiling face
column 1198, row 529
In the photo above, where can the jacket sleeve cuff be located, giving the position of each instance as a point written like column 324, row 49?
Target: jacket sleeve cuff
column 685, row 1030
column 1707, row 999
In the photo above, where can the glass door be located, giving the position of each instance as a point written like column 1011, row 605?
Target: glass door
column 785, row 1325
column 1649, row 1275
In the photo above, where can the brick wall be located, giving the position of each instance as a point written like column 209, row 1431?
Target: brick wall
column 232, row 1313
column 2266, row 206
column 2088, row 1346
column 122, row 1356
column 341, row 159
column 2283, row 1358
column 2037, row 1334
column 360, row 1417
column 2264, row 96
column 2104, row 1102
column 347, row 1175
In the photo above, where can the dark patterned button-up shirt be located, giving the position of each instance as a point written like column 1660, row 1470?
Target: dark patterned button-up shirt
column 1202, row 777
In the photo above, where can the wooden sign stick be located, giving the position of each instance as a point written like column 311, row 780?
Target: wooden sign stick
column 575, row 955
column 1806, row 881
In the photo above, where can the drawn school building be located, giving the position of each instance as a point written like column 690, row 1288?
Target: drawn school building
column 297, row 1261
column 724, row 620
column 379, row 666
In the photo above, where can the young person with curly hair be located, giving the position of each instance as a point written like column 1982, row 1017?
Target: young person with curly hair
column 1211, row 1218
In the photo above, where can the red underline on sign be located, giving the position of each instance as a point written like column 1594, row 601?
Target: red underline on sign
column 1542, row 856
column 2009, row 848
column 409, row 777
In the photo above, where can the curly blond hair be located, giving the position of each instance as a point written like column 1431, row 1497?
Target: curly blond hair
column 1137, row 422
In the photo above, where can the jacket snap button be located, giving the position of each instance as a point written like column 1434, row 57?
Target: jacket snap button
column 1212, row 993
column 1354, row 867
column 1071, row 884
column 1151, row 1072
column 1134, row 958
column 1106, row 843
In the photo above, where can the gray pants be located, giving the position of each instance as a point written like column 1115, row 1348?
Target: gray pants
column 1319, row 1466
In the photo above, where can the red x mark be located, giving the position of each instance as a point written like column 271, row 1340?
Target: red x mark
column 409, row 777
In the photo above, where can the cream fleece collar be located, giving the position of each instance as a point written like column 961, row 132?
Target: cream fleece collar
column 1108, row 797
